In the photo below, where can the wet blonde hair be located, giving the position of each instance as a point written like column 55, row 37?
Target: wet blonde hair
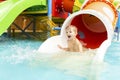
column 72, row 27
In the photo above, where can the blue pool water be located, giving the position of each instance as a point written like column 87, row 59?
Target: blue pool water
column 20, row 61
column 112, row 58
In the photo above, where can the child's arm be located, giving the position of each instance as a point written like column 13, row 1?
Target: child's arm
column 84, row 44
column 66, row 49
column 80, row 48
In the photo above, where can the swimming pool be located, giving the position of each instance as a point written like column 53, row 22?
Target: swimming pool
column 20, row 61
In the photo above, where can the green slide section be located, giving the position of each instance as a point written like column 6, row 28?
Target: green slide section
column 10, row 9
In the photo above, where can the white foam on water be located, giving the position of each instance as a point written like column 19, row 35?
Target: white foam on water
column 71, row 63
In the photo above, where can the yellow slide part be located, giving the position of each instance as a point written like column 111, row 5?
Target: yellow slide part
column 77, row 6
column 51, row 25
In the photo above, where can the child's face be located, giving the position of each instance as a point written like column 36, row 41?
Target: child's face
column 71, row 32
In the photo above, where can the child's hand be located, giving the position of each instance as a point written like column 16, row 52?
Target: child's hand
column 59, row 46
column 84, row 44
column 66, row 49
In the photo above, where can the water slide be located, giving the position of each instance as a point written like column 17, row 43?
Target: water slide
column 95, row 26
column 10, row 9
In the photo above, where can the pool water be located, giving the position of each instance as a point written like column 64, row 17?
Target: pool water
column 112, row 58
column 19, row 60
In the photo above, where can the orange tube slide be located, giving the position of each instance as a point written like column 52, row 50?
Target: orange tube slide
column 95, row 22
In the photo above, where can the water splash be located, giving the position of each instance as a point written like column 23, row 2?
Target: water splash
column 71, row 63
